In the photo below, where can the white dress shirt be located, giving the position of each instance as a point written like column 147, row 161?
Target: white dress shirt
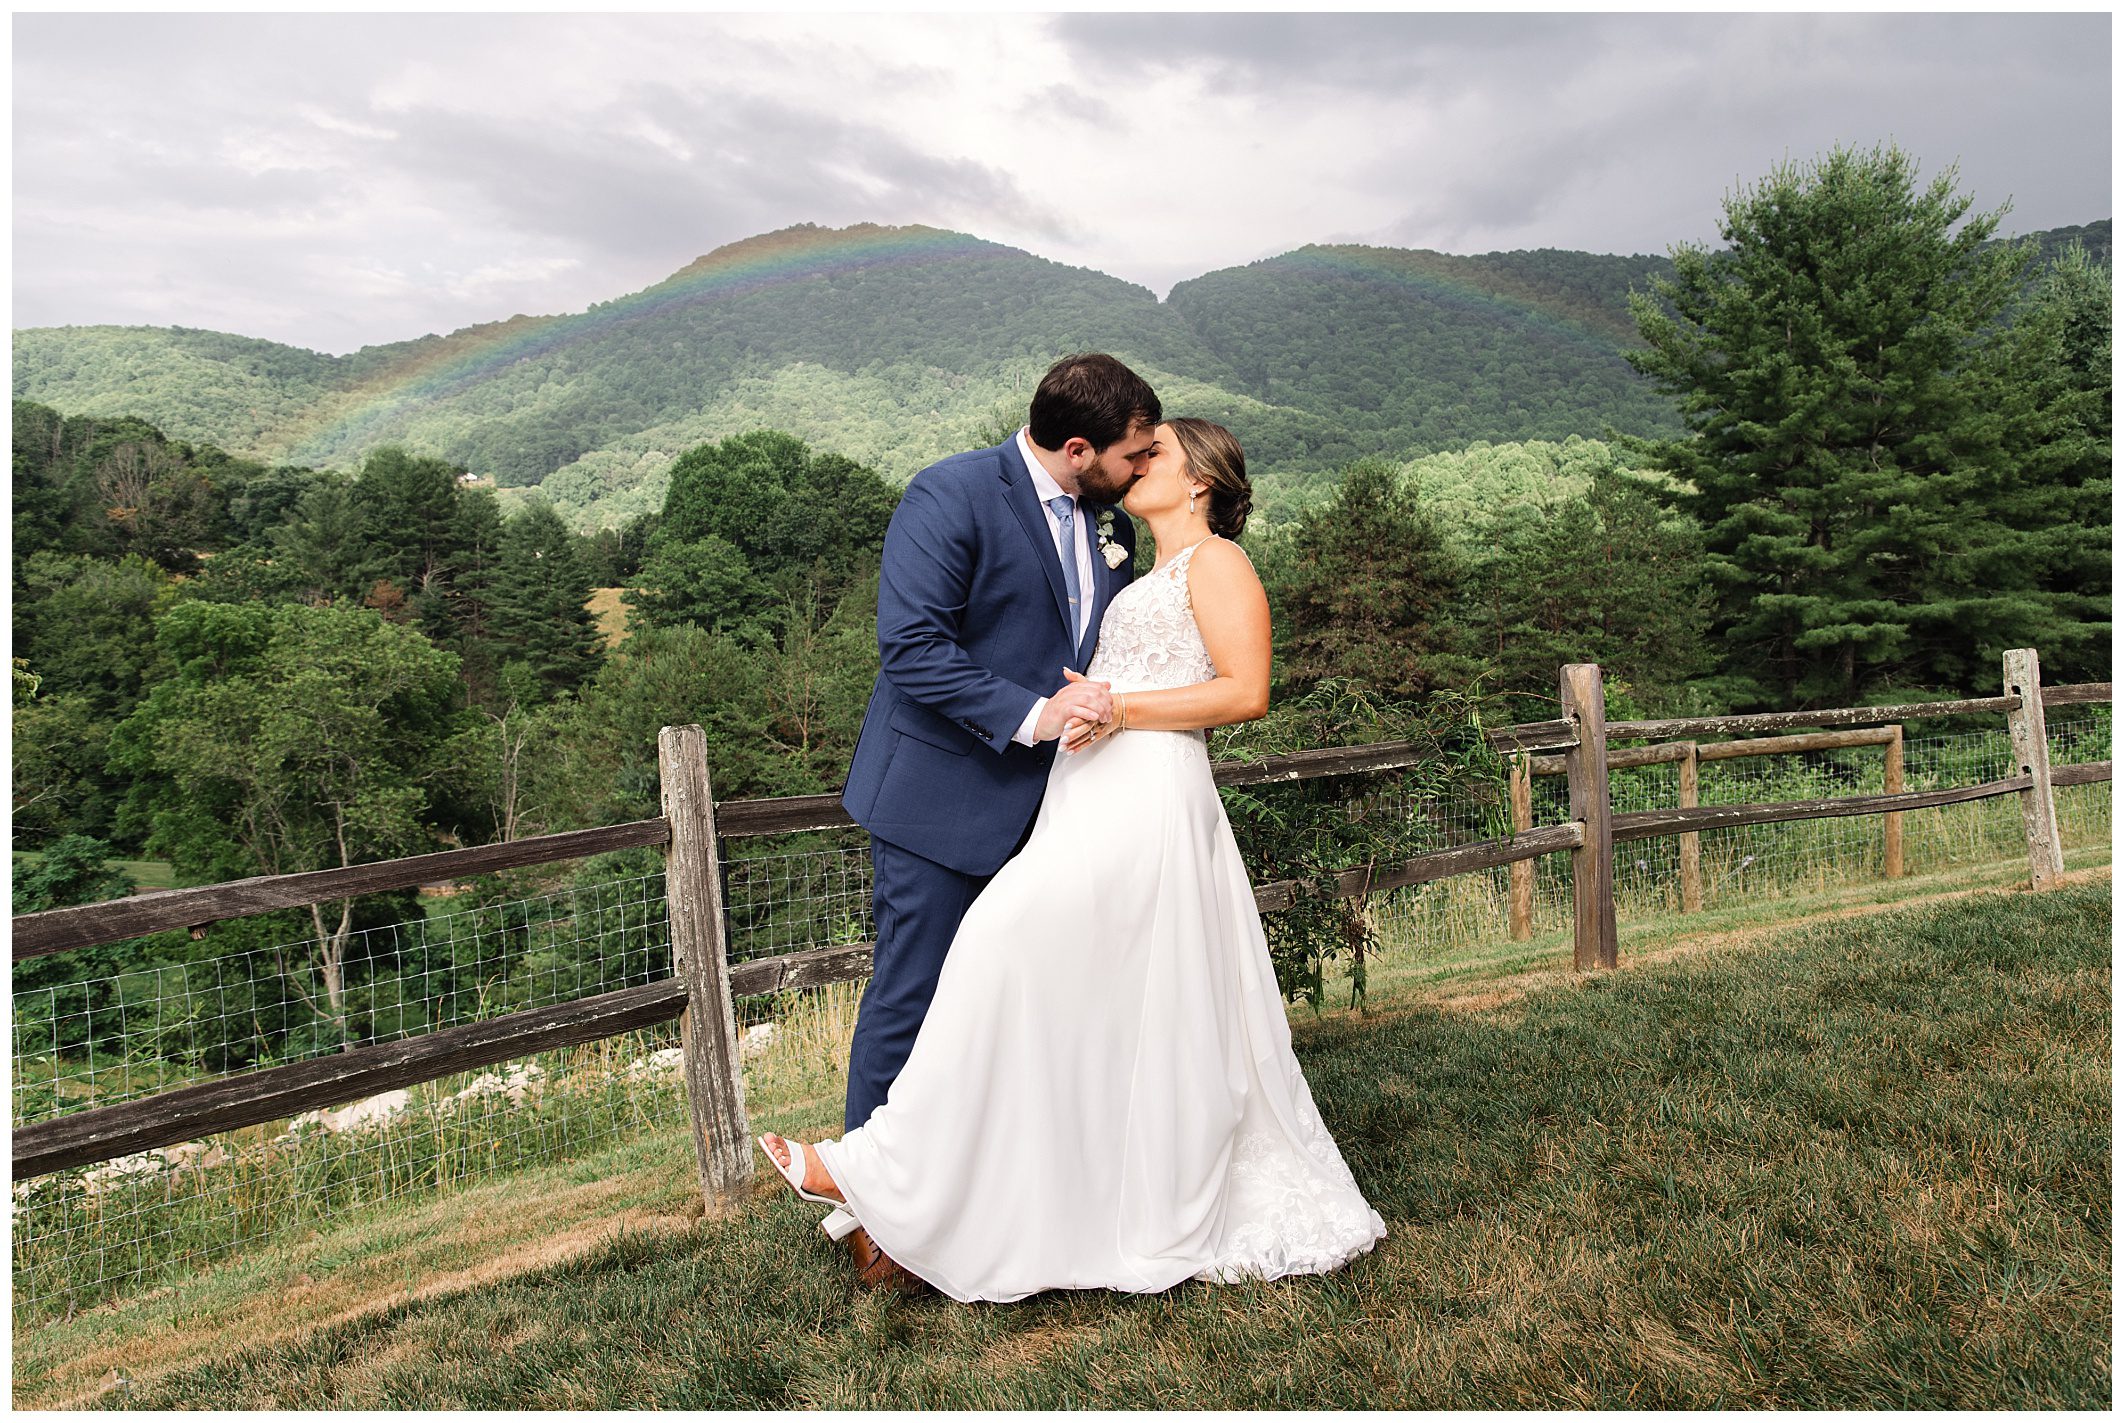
column 1045, row 488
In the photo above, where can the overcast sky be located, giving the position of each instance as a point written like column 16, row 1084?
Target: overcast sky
column 333, row 181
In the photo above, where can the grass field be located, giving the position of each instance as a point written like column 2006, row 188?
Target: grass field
column 1858, row 1160
column 145, row 874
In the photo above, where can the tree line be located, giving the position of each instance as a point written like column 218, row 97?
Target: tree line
column 1895, row 463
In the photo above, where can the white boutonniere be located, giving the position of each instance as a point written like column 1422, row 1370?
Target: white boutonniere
column 1113, row 553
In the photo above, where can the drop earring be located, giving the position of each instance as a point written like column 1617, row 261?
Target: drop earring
column 1190, row 501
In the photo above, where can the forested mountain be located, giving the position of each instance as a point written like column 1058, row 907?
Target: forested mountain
column 896, row 345
column 1405, row 351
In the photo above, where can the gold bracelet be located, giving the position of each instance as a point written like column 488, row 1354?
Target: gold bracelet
column 1122, row 703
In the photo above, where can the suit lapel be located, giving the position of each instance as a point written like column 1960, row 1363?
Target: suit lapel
column 1025, row 503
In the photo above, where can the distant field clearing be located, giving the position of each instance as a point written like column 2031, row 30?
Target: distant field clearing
column 611, row 614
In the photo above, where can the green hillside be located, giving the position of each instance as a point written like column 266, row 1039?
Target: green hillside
column 201, row 386
column 1412, row 351
column 897, row 345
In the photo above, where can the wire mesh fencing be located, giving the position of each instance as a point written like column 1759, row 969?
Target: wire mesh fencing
column 786, row 893
column 100, row 1026
column 501, row 944
column 1764, row 861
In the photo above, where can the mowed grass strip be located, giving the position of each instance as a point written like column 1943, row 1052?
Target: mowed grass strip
column 1864, row 1166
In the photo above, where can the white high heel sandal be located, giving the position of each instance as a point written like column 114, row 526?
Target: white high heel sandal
column 793, row 1173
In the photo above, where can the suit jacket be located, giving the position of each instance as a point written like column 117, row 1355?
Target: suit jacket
column 973, row 628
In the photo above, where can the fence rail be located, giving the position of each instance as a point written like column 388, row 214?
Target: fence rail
column 787, row 815
column 80, row 926
column 704, row 983
column 1638, row 824
column 271, row 1093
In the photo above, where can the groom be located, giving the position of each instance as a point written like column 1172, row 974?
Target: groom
column 998, row 565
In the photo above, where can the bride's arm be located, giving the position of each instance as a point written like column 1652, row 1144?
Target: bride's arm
column 1232, row 611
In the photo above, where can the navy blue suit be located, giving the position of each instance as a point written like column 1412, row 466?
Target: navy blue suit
column 973, row 628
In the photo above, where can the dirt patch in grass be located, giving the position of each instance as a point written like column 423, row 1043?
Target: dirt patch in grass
column 317, row 1298
column 1500, row 994
column 2092, row 874
column 1034, row 1346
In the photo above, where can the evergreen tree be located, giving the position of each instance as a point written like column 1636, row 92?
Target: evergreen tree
column 41, row 506
column 1603, row 577
column 319, row 555
column 268, row 498
column 408, row 507
column 2049, row 382
column 540, row 601
column 83, row 627
column 466, row 624
column 1368, row 594
column 1838, row 449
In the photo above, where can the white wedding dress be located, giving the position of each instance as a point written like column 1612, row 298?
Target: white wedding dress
column 1103, row 1093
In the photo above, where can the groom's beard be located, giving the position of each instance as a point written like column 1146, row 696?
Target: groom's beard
column 1103, row 486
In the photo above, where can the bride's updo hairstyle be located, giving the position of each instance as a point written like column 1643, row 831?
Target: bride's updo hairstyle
column 1215, row 459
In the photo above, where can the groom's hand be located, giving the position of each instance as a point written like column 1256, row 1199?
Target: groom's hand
column 1079, row 700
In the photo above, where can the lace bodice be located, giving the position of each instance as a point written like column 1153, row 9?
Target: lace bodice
column 1148, row 639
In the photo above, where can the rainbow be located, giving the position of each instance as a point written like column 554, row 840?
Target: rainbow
column 447, row 365
column 1446, row 279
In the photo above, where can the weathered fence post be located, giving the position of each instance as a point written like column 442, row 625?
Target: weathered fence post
column 1521, row 872
column 1892, row 822
column 1692, row 874
column 2031, row 751
column 693, row 891
column 1593, row 862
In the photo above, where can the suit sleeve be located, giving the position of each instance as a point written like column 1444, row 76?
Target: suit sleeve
column 923, row 586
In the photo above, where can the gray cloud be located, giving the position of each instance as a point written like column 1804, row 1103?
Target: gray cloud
column 342, row 179
column 1344, row 51
column 1623, row 132
column 738, row 167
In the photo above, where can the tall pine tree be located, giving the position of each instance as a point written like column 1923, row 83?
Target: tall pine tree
column 1603, row 577
column 540, row 596
column 408, row 505
column 1368, row 593
column 2049, row 382
column 1842, row 459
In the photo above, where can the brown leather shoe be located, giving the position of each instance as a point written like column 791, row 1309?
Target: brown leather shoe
column 878, row 1271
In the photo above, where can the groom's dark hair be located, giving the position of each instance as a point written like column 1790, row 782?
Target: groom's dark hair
column 1091, row 396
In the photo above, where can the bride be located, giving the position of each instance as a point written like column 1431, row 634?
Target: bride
column 1103, row 1093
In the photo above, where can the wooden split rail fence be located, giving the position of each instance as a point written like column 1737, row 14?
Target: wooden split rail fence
column 704, row 983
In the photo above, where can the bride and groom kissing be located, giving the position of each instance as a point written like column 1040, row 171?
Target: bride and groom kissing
column 1071, row 1068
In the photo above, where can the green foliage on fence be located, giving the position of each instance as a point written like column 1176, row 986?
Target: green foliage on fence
column 1309, row 832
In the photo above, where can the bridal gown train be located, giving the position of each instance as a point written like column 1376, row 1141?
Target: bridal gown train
column 1103, row 1093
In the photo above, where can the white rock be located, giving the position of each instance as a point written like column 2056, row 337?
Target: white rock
column 139, row 1163
column 514, row 1084
column 758, row 1038
column 99, row 1178
column 368, row 1112
column 657, row 1064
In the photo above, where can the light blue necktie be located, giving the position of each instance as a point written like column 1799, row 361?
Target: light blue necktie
column 1065, row 509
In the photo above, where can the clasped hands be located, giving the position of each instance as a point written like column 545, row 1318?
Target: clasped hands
column 1081, row 713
